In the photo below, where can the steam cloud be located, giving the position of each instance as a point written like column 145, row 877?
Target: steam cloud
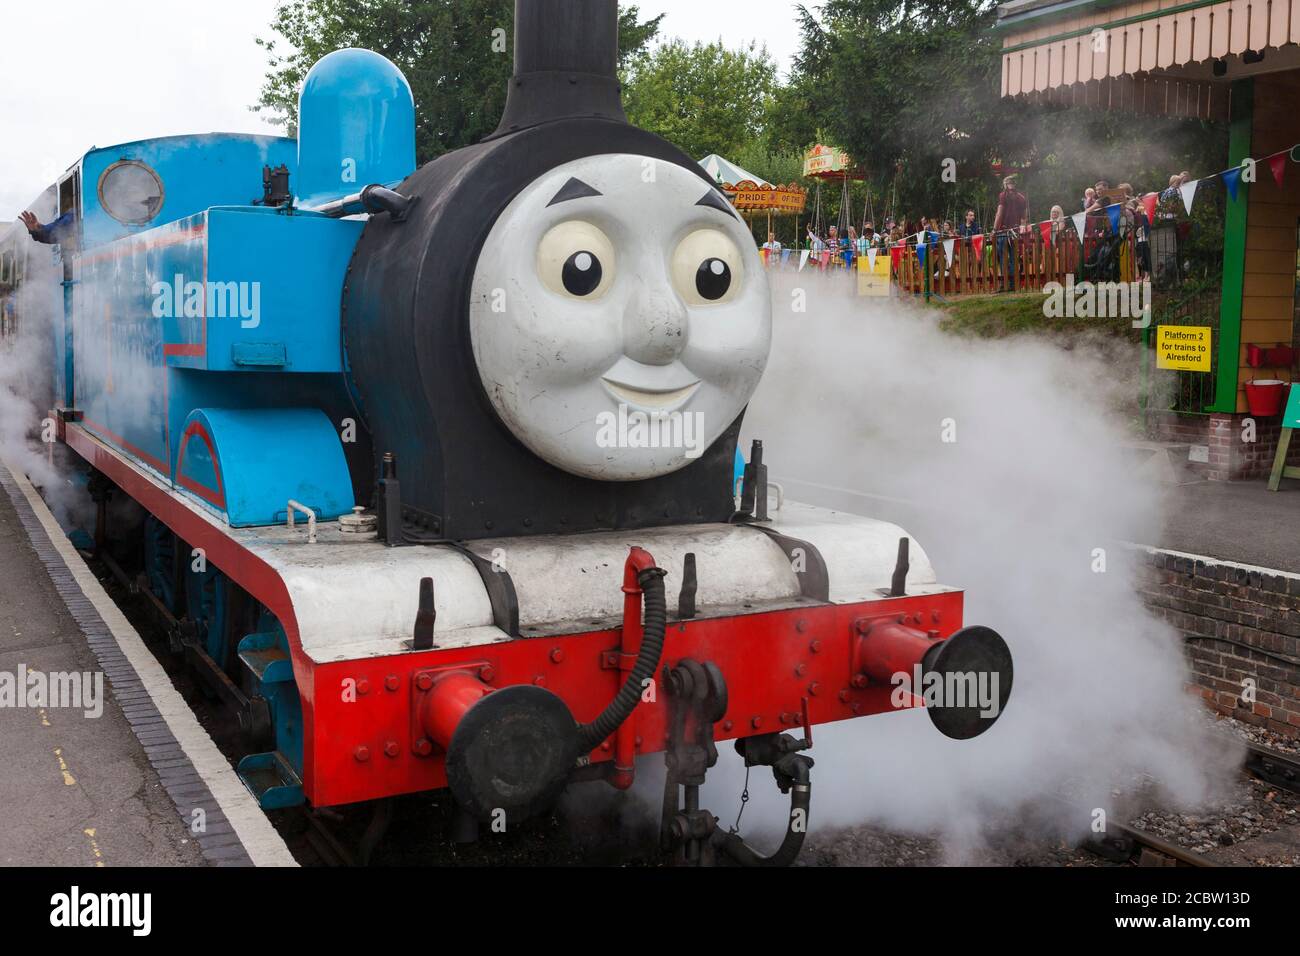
column 851, row 411
column 26, row 377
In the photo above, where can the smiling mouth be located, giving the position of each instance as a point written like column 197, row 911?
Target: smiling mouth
column 650, row 400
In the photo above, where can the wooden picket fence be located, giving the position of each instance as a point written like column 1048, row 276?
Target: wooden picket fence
column 1031, row 262
column 1027, row 265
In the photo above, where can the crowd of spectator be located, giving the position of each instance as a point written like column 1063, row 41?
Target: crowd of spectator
column 1108, row 213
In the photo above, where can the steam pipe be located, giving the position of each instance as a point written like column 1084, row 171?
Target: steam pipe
column 376, row 199
column 639, row 655
column 373, row 199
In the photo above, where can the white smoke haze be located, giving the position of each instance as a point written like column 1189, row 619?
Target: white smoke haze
column 851, row 412
column 27, row 379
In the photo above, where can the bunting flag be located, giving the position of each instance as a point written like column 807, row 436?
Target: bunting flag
column 1232, row 179
column 871, row 258
column 1113, row 211
column 785, row 256
column 1278, row 166
column 764, row 253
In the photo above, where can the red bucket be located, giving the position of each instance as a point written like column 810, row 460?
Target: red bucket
column 1264, row 396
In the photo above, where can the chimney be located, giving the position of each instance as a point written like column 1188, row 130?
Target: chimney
column 566, row 63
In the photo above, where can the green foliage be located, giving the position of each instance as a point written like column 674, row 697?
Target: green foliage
column 1021, row 313
column 779, row 168
column 905, row 85
column 457, row 55
column 704, row 98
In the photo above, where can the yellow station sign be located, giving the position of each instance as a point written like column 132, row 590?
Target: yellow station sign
column 1185, row 348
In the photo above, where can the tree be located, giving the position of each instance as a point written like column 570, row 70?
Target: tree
column 908, row 85
column 456, row 54
column 702, row 98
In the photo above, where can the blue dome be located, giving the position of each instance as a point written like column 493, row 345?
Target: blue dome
column 356, row 126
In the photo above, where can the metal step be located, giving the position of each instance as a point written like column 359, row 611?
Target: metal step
column 271, row 780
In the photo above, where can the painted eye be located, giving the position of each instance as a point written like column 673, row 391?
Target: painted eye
column 707, row 268
column 581, row 273
column 576, row 260
column 713, row 280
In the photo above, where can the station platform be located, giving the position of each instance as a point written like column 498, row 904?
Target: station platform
column 1238, row 521
column 104, row 765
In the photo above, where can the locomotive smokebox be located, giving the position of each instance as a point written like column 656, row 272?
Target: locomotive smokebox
column 964, row 681
column 568, row 232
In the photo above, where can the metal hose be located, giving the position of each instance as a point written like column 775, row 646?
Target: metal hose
column 800, row 802
column 620, row 708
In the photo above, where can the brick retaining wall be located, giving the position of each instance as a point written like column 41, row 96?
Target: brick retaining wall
column 1240, row 623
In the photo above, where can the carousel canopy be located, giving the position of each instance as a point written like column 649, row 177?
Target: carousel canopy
column 753, row 194
column 723, row 171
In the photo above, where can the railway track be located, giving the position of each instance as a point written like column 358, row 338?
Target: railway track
column 1272, row 766
column 1125, row 844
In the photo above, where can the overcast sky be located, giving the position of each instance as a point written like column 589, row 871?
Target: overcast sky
column 133, row 69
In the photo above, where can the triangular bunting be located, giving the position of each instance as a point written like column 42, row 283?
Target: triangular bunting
column 1149, row 204
column 1080, row 223
column 1277, row 165
column 896, row 255
column 1045, row 229
column 921, row 249
column 785, row 255
column 977, row 245
column 1113, row 211
column 947, row 248
column 871, row 258
column 1188, row 189
column 803, row 259
column 1232, row 179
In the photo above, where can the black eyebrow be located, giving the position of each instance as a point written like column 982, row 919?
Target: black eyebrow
column 573, row 189
column 714, row 200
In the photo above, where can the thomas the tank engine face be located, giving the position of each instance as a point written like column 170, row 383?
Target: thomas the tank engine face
column 617, row 293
